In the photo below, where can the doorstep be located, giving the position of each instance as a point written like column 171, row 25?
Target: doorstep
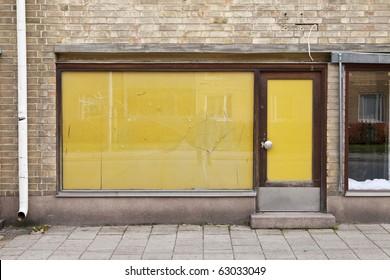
column 292, row 220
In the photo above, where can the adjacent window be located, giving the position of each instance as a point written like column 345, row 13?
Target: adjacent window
column 127, row 130
column 370, row 108
column 368, row 129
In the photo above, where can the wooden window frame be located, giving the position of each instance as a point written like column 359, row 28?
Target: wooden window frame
column 351, row 68
column 256, row 68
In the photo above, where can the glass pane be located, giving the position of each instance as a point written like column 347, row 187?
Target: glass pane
column 368, row 130
column 289, row 128
column 157, row 130
column 370, row 109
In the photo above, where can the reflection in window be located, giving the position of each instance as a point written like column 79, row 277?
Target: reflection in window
column 370, row 107
column 157, row 130
column 368, row 130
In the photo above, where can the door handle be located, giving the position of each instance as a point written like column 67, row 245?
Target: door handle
column 266, row 145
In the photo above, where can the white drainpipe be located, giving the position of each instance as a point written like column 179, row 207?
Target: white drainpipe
column 341, row 124
column 22, row 108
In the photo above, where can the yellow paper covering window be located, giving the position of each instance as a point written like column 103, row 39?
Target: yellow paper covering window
column 157, row 130
column 290, row 128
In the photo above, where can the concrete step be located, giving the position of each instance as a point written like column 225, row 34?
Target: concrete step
column 2, row 224
column 292, row 220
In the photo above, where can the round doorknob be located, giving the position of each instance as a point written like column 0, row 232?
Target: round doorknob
column 266, row 145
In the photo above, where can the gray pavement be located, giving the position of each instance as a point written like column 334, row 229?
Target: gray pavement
column 196, row 242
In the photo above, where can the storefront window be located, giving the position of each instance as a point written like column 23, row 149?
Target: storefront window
column 368, row 130
column 157, row 130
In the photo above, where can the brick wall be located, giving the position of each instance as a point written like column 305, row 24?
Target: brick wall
column 8, row 99
column 332, row 141
column 207, row 22
column 335, row 23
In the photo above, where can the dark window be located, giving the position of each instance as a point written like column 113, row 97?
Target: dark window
column 368, row 129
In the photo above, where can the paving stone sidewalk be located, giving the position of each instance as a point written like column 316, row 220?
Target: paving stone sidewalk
column 196, row 242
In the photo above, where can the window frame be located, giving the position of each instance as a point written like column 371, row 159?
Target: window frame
column 378, row 105
column 256, row 68
column 363, row 68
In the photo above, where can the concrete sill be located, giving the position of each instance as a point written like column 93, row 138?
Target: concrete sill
column 189, row 193
column 367, row 193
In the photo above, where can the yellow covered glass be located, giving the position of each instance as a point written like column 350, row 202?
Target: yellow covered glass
column 157, row 130
column 290, row 128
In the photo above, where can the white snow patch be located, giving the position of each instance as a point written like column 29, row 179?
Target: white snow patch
column 376, row 184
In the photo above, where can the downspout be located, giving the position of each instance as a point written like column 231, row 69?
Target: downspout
column 22, row 108
column 341, row 126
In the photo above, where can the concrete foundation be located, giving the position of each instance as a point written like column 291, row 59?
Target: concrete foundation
column 171, row 210
column 126, row 211
column 360, row 209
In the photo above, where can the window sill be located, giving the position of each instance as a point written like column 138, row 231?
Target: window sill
column 367, row 193
column 158, row 193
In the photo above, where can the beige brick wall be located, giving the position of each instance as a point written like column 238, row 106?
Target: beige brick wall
column 333, row 134
column 8, row 99
column 338, row 23
column 209, row 22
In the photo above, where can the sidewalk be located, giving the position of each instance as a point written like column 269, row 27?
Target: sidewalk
column 196, row 242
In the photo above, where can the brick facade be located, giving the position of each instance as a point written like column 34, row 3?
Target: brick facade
column 328, row 25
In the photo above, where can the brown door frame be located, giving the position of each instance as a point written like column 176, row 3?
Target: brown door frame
column 318, row 75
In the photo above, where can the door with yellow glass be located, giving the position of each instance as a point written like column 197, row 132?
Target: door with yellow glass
column 290, row 148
